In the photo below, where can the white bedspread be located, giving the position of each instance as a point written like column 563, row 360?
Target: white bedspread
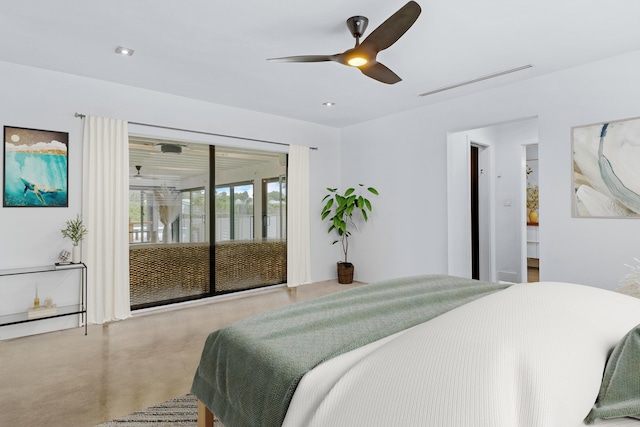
column 529, row 356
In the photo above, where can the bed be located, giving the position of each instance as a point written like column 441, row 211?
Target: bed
column 430, row 351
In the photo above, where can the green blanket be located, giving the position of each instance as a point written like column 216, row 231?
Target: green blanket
column 620, row 389
column 249, row 370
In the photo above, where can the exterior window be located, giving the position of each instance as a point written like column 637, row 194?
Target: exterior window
column 243, row 212
column 274, row 208
column 140, row 216
column 223, row 214
column 193, row 219
column 234, row 212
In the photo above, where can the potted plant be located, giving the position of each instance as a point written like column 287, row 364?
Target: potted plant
column 339, row 210
column 532, row 203
column 75, row 231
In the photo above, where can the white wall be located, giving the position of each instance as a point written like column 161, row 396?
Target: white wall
column 407, row 230
column 510, row 196
column 39, row 99
column 405, row 157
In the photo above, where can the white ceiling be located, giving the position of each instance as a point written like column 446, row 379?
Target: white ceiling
column 216, row 51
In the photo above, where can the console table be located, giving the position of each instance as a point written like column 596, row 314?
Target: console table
column 71, row 310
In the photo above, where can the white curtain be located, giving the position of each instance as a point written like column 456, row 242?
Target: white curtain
column 105, row 212
column 298, row 232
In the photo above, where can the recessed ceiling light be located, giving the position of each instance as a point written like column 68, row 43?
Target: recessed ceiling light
column 328, row 104
column 124, row 51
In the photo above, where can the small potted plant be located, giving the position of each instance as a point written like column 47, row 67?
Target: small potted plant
column 339, row 210
column 532, row 203
column 75, row 231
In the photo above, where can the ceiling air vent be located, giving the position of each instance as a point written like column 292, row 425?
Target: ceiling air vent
column 171, row 148
column 479, row 79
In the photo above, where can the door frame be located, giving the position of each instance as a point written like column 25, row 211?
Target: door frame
column 486, row 218
column 459, row 207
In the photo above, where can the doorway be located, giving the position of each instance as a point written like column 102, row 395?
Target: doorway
column 531, row 196
column 475, row 213
column 501, row 223
column 471, row 250
column 481, row 224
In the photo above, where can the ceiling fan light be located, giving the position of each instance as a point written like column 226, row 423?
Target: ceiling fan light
column 357, row 61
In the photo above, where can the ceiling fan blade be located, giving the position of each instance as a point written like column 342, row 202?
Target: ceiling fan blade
column 305, row 58
column 380, row 73
column 393, row 28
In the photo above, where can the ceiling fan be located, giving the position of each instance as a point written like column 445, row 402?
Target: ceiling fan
column 139, row 175
column 363, row 55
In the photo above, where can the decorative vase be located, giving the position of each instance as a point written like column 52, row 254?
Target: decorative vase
column 533, row 217
column 75, row 255
column 345, row 273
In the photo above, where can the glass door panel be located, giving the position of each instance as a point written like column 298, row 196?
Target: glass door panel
column 250, row 246
column 169, row 253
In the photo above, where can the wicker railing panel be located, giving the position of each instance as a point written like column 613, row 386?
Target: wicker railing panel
column 247, row 264
column 160, row 272
column 164, row 272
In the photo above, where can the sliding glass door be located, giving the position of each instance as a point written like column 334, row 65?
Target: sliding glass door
column 198, row 224
column 244, row 256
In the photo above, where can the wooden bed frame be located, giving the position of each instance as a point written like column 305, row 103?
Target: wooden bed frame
column 205, row 416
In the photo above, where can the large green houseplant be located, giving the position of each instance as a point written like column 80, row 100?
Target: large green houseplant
column 339, row 209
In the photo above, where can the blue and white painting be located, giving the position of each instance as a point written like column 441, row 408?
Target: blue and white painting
column 35, row 168
column 606, row 177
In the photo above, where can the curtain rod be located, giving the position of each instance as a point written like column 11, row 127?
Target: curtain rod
column 82, row 116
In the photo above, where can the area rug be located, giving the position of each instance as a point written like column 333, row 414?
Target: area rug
column 181, row 411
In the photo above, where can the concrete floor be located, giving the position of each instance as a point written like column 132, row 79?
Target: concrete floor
column 67, row 379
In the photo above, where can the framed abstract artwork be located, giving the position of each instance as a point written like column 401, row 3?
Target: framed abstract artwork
column 606, row 176
column 35, row 168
